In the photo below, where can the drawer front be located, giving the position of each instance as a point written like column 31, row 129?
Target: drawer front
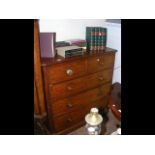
column 65, row 89
column 65, row 71
column 68, row 120
column 80, row 101
column 99, row 78
column 72, row 118
column 98, row 63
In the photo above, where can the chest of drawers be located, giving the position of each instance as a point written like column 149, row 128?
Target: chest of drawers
column 74, row 85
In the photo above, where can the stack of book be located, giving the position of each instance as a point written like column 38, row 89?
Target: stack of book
column 96, row 38
column 78, row 42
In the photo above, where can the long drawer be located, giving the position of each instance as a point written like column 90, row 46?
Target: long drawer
column 80, row 101
column 66, row 71
column 75, row 86
column 72, row 117
column 68, row 120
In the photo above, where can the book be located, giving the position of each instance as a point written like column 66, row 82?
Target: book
column 47, row 44
column 78, row 42
column 89, row 38
column 69, row 51
column 103, row 38
column 61, row 44
column 74, row 41
column 96, row 38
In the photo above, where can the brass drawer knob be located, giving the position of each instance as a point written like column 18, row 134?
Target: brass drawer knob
column 98, row 60
column 69, row 105
column 69, row 120
column 69, row 72
column 100, row 63
column 69, row 88
column 101, row 78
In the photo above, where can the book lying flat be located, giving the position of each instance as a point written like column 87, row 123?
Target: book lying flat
column 69, row 51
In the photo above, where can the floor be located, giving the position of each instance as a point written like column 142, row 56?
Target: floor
column 110, row 126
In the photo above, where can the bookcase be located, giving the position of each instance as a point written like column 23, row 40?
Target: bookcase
column 74, row 85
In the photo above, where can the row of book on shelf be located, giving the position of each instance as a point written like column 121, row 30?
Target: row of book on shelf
column 96, row 38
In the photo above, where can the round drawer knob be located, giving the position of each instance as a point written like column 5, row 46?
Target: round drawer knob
column 69, row 120
column 69, row 88
column 98, row 60
column 69, row 105
column 101, row 78
column 69, row 72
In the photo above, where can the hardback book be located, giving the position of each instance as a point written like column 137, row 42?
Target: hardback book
column 72, row 41
column 69, row 51
column 47, row 44
column 103, row 38
column 78, row 42
column 61, row 44
column 96, row 38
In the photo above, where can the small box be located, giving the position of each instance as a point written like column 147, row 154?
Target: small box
column 47, row 44
column 69, row 51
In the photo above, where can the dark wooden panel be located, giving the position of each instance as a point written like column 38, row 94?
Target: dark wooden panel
column 80, row 101
column 98, row 63
column 71, row 118
column 65, row 89
column 66, row 71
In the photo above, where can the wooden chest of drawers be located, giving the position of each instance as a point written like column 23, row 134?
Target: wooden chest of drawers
column 74, row 85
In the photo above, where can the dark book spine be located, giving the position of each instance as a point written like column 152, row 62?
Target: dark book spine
column 89, row 38
column 92, row 39
column 100, row 37
column 103, row 38
column 95, row 38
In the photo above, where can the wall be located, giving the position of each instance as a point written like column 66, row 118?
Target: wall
column 69, row 28
column 114, row 41
column 75, row 28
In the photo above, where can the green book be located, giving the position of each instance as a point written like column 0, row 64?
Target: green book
column 100, row 37
column 96, row 38
column 103, row 38
column 89, row 38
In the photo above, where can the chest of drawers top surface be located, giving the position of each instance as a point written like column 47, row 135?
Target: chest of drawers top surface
column 59, row 59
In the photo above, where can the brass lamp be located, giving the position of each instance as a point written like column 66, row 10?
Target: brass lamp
column 93, row 120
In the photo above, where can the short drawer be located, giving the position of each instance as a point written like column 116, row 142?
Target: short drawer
column 65, row 71
column 98, row 63
column 80, row 101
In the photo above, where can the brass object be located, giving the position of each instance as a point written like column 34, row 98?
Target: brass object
column 101, row 78
column 69, row 120
column 69, row 105
column 98, row 60
column 69, row 72
column 69, row 88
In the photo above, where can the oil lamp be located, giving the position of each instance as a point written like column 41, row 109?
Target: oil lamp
column 93, row 120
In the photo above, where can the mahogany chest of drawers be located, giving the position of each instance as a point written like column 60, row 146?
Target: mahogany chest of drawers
column 74, row 85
